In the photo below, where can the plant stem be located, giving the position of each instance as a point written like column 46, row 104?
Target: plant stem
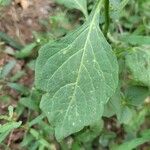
column 106, row 6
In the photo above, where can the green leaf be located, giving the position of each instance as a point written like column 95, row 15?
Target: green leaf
column 30, row 103
column 9, row 126
column 3, row 135
column 117, row 106
column 139, row 64
column 130, row 145
column 89, row 134
column 79, row 74
column 114, row 105
column 7, row 69
column 17, row 76
column 106, row 137
column 136, row 39
column 77, row 4
column 26, row 51
column 18, row 87
column 115, row 3
column 137, row 120
column 118, row 4
column 28, row 138
column 145, row 133
column 8, row 40
column 37, row 120
column 136, row 95
column 126, row 115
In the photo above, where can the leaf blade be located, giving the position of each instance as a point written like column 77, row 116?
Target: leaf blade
column 79, row 75
column 132, row 144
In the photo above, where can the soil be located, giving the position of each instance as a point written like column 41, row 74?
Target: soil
column 23, row 17
column 19, row 20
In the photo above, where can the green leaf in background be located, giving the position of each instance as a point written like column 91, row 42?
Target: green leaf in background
column 7, row 39
column 7, row 128
column 26, row 51
column 106, row 137
column 115, row 3
column 135, row 124
column 130, row 145
column 17, row 76
column 5, row 2
column 118, row 106
column 77, row 4
column 37, row 120
column 138, row 61
column 118, row 4
column 29, row 103
column 87, row 135
column 19, row 88
column 3, row 135
column 7, row 68
column 136, row 39
column 126, row 114
column 136, row 95
column 39, row 139
column 145, row 133
column 114, row 105
column 79, row 74
column 32, row 100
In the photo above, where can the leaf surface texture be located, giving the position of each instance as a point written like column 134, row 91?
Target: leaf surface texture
column 79, row 73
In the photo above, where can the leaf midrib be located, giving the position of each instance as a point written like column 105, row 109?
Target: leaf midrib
column 77, row 80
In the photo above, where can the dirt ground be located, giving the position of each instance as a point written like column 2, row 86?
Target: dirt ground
column 23, row 17
column 18, row 21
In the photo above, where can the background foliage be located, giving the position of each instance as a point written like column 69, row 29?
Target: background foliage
column 125, row 123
